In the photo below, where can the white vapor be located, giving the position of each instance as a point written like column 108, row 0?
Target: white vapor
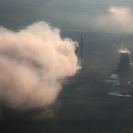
column 118, row 19
column 32, row 63
column 124, row 50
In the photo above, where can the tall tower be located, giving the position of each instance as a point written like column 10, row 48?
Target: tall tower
column 122, row 74
column 81, row 48
column 123, row 67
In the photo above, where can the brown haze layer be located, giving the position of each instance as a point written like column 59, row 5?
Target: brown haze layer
column 32, row 62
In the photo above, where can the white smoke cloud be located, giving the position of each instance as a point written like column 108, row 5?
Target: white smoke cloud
column 32, row 63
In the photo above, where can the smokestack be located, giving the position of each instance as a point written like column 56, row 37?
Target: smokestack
column 123, row 67
column 76, row 51
column 81, row 48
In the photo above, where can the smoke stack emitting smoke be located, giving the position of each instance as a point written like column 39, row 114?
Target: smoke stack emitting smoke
column 124, row 50
column 32, row 61
column 123, row 67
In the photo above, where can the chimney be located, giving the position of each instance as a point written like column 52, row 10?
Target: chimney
column 76, row 51
column 123, row 67
column 81, row 48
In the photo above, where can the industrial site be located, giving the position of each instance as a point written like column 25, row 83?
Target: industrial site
column 66, row 66
column 97, row 99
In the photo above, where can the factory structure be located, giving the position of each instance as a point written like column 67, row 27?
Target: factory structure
column 81, row 49
column 121, row 75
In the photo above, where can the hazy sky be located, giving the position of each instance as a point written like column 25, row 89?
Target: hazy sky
column 85, row 15
column 90, row 15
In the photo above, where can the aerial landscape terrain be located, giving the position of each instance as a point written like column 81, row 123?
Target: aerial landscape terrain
column 47, row 83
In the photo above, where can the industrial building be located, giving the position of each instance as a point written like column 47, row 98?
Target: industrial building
column 121, row 75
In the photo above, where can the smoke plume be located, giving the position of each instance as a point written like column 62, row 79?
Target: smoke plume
column 33, row 61
column 123, row 50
